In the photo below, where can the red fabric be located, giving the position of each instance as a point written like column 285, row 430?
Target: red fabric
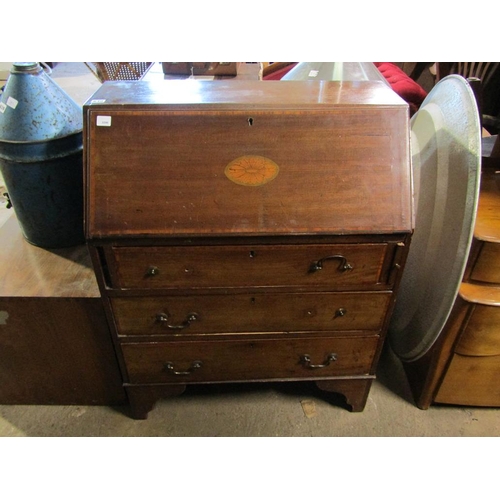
column 280, row 73
column 403, row 85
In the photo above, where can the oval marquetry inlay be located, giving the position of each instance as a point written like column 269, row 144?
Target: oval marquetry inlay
column 251, row 170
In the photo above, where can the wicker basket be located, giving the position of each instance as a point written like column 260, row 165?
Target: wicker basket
column 106, row 71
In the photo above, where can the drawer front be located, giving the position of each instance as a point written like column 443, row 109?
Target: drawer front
column 233, row 313
column 237, row 360
column 481, row 336
column 487, row 265
column 247, row 266
column 471, row 380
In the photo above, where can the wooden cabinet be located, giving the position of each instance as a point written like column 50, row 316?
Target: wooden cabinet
column 55, row 344
column 463, row 367
column 473, row 369
column 247, row 230
column 471, row 377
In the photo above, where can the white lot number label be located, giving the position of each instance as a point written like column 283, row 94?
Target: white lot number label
column 104, row 121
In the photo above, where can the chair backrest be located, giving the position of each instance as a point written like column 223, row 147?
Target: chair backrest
column 485, row 81
column 106, row 71
column 484, row 71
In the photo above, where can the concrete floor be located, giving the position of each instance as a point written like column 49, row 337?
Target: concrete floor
column 261, row 410
column 241, row 410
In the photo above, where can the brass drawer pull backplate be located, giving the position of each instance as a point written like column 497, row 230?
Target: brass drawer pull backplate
column 195, row 365
column 343, row 265
column 305, row 359
column 164, row 319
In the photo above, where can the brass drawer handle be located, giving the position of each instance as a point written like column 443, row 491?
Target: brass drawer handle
column 343, row 265
column 164, row 319
column 306, row 361
column 341, row 311
column 152, row 271
column 195, row 365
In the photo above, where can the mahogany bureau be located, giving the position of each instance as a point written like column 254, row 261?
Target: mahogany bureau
column 247, row 230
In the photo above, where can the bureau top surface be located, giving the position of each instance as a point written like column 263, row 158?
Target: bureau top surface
column 240, row 93
column 193, row 158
